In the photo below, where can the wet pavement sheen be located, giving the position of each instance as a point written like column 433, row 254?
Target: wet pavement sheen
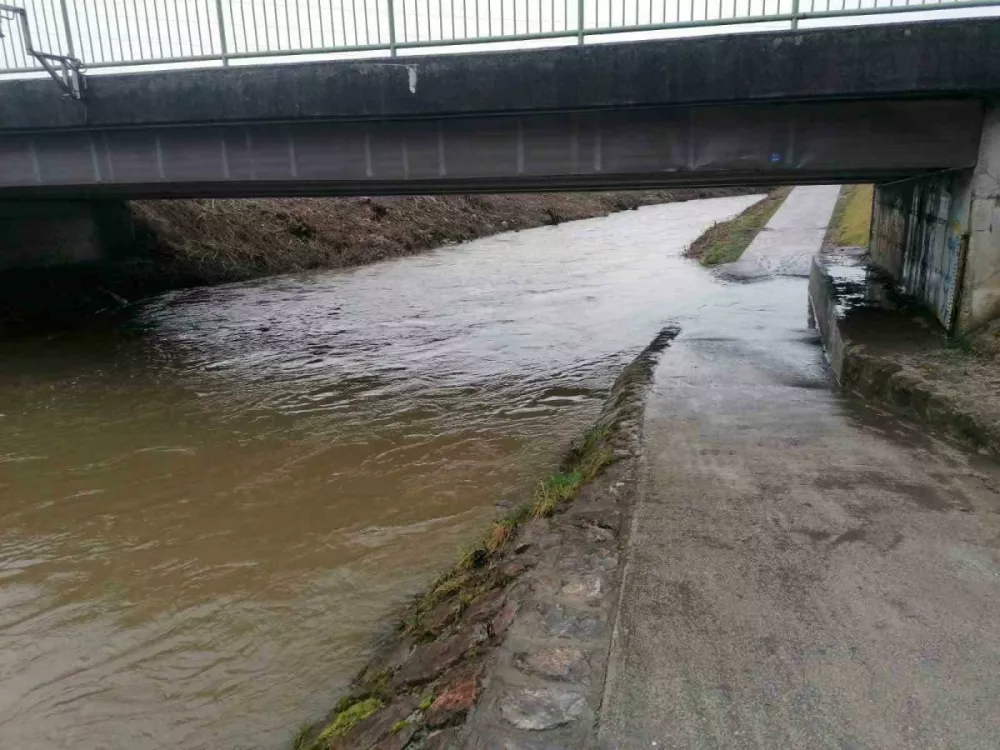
column 803, row 571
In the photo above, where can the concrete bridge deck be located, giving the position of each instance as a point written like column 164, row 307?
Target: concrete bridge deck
column 830, row 105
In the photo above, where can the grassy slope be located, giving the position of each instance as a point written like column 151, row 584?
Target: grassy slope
column 852, row 217
column 207, row 241
column 726, row 241
column 185, row 243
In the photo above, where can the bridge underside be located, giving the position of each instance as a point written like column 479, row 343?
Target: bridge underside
column 774, row 143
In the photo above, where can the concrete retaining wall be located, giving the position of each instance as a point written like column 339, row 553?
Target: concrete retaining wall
column 823, row 306
column 938, row 236
column 853, row 308
column 44, row 233
column 980, row 294
column 918, row 231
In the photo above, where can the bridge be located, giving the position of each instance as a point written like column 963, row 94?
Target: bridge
column 907, row 105
column 874, row 103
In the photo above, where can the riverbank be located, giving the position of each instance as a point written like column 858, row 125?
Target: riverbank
column 213, row 241
column 188, row 243
column 514, row 639
column 726, row 241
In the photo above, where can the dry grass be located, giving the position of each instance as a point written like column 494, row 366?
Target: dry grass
column 208, row 241
column 725, row 242
column 852, row 217
column 184, row 243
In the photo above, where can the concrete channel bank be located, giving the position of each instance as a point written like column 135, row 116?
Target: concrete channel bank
column 802, row 570
column 888, row 350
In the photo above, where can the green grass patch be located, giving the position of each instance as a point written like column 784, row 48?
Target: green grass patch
column 725, row 242
column 852, row 217
column 347, row 719
column 554, row 491
column 586, row 460
column 301, row 741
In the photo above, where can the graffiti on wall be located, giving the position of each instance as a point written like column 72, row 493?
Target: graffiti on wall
column 918, row 232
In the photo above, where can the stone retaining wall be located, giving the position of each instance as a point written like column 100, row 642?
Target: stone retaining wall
column 514, row 653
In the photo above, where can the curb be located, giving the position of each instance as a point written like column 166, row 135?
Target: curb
column 878, row 379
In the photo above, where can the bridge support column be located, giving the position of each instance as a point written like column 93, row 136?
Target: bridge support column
column 46, row 233
column 979, row 299
column 938, row 236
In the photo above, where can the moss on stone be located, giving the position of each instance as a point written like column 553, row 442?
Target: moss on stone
column 471, row 577
column 347, row 719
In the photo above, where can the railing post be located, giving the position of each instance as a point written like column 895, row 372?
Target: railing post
column 392, row 28
column 795, row 14
column 222, row 34
column 579, row 21
column 70, row 52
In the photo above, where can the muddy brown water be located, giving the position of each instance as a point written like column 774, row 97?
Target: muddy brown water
column 206, row 511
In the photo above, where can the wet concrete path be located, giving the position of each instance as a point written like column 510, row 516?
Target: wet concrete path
column 803, row 572
column 793, row 235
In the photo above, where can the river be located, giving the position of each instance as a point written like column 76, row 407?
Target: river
column 207, row 510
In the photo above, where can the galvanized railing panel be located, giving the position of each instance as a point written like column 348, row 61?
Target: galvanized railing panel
column 124, row 33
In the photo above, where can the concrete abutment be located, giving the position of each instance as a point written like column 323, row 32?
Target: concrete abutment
column 938, row 236
column 38, row 234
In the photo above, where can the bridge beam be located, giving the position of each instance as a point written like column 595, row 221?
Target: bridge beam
column 648, row 147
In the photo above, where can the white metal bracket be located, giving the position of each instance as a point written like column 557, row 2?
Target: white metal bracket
column 66, row 71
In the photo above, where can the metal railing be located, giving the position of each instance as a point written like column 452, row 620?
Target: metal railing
column 64, row 69
column 124, row 33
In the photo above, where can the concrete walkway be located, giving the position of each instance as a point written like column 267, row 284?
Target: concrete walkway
column 792, row 236
column 802, row 572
